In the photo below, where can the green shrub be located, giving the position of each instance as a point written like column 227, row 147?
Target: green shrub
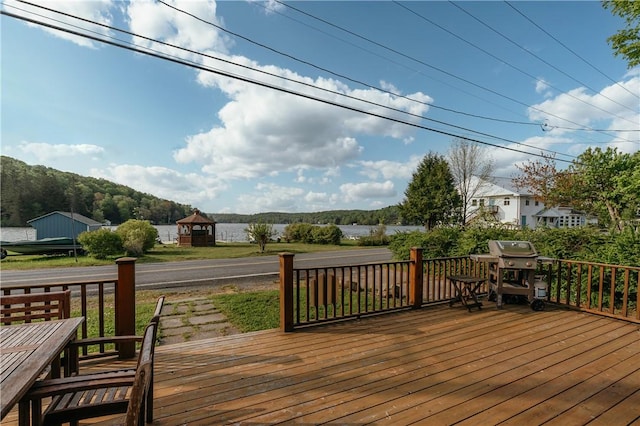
column 298, row 232
column 579, row 243
column 313, row 234
column 138, row 236
column 260, row 233
column 101, row 243
column 377, row 237
column 329, row 234
column 473, row 240
column 623, row 249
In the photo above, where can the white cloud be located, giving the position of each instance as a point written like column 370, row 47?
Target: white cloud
column 542, row 87
column 614, row 109
column 270, row 197
column 95, row 10
column 265, row 131
column 505, row 160
column 317, row 197
column 157, row 21
column 367, row 191
column 45, row 152
column 165, row 183
column 390, row 169
column 270, row 6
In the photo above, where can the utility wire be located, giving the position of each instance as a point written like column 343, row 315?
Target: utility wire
column 342, row 76
column 259, row 83
column 548, row 64
column 544, row 126
column 284, row 78
column 426, row 64
column 388, row 59
column 617, row 83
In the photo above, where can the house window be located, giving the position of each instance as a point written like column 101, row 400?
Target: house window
column 506, row 201
column 474, row 202
column 526, row 202
column 537, row 202
column 481, row 202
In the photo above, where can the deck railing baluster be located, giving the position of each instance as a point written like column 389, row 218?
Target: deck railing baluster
column 388, row 286
column 87, row 292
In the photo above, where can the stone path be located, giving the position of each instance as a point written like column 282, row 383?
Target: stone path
column 192, row 319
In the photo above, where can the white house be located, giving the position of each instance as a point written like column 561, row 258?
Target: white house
column 502, row 201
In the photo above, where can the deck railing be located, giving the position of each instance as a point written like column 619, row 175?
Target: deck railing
column 103, row 303
column 604, row 289
column 314, row 295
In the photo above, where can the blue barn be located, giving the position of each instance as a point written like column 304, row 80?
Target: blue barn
column 62, row 224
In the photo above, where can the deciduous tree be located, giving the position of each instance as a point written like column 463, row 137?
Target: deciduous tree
column 471, row 169
column 626, row 42
column 539, row 177
column 602, row 183
column 261, row 233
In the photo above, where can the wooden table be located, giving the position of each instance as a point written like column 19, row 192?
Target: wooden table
column 25, row 351
column 466, row 287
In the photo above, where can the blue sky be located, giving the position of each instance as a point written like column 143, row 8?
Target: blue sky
column 481, row 70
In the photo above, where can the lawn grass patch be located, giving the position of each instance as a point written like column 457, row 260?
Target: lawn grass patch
column 173, row 253
column 251, row 311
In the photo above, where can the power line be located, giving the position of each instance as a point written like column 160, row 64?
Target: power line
column 258, row 83
column 548, row 64
column 403, row 65
column 571, row 50
column 426, row 64
column 343, row 76
column 284, row 78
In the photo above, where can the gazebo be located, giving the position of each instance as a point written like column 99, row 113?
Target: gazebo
column 196, row 231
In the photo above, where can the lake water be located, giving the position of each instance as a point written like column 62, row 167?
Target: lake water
column 230, row 232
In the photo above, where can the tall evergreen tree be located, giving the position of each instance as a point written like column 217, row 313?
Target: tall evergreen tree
column 431, row 197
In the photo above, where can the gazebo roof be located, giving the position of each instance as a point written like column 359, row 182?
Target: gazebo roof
column 196, row 218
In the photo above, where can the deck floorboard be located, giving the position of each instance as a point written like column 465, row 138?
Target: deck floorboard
column 434, row 366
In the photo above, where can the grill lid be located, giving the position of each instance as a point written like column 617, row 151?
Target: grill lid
column 512, row 248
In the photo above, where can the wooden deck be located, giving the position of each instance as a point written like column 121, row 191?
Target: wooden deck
column 432, row 366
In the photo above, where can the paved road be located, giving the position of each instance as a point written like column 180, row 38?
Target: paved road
column 197, row 272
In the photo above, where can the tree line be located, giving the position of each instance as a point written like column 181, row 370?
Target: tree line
column 387, row 216
column 32, row 191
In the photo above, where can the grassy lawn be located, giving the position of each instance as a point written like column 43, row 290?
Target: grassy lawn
column 252, row 311
column 260, row 310
column 172, row 253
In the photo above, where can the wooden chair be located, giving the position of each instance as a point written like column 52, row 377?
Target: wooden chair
column 95, row 395
column 30, row 307
column 25, row 308
column 76, row 345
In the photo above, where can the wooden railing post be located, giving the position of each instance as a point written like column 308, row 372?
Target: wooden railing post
column 416, row 277
column 125, row 305
column 286, row 292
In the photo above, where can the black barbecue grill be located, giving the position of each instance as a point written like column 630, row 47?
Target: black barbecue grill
column 512, row 266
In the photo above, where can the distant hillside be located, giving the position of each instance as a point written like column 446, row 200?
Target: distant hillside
column 31, row 191
column 388, row 216
column 28, row 192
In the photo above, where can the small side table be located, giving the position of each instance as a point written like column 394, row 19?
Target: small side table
column 466, row 287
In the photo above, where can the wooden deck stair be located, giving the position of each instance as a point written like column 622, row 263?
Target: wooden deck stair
column 433, row 366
